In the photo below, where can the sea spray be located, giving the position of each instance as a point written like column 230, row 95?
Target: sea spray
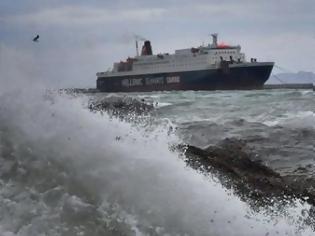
column 66, row 173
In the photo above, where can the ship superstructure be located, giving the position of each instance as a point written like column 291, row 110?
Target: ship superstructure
column 215, row 66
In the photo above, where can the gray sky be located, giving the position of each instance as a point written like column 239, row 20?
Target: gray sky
column 79, row 38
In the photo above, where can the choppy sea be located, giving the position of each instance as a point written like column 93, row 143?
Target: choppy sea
column 65, row 170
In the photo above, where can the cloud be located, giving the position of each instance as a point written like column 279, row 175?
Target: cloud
column 248, row 14
column 79, row 38
column 75, row 16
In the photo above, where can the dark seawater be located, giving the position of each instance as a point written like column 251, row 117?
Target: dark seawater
column 279, row 125
column 65, row 170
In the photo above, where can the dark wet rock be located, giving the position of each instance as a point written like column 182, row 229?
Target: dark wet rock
column 234, row 165
column 119, row 106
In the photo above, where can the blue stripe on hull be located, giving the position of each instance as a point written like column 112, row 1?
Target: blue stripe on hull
column 251, row 77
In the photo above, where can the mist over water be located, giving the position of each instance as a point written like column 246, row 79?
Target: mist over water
column 65, row 170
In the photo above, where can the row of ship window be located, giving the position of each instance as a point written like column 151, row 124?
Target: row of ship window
column 166, row 66
column 153, row 66
column 225, row 52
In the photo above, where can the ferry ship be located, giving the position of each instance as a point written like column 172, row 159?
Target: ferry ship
column 216, row 66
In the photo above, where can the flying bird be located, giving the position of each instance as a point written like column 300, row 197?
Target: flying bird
column 36, row 38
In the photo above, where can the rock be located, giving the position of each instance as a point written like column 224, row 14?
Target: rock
column 119, row 106
column 236, row 169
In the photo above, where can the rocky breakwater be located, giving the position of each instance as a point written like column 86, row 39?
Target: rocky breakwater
column 235, row 164
column 242, row 171
column 122, row 107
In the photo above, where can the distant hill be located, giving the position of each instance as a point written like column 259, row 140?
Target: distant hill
column 288, row 78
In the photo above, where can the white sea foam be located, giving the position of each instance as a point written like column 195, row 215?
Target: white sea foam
column 163, row 104
column 300, row 119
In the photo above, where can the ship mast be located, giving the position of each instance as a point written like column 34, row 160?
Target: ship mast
column 137, row 48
